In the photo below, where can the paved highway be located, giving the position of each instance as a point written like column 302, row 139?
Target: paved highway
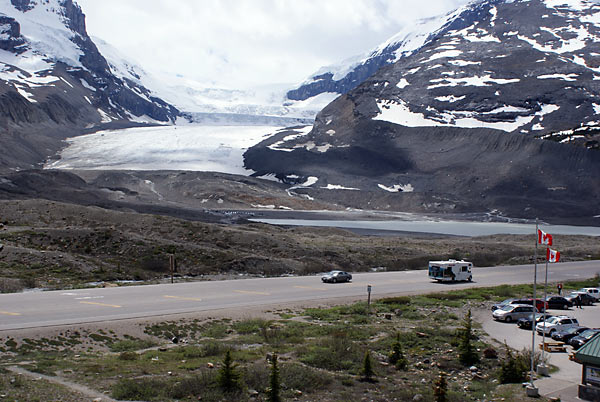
column 55, row 308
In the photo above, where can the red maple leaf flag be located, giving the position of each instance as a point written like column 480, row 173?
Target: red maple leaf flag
column 552, row 255
column 544, row 238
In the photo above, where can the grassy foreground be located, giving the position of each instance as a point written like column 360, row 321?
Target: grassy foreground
column 321, row 355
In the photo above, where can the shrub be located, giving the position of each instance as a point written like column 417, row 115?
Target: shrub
column 200, row 384
column 396, row 356
column 128, row 356
column 139, row 390
column 513, row 369
column 131, row 344
column 297, row 376
column 490, row 353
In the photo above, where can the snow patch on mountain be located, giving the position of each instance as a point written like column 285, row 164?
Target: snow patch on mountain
column 45, row 28
column 405, row 188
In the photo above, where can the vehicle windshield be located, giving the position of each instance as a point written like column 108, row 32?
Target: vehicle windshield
column 571, row 330
column 588, row 334
column 507, row 308
column 551, row 320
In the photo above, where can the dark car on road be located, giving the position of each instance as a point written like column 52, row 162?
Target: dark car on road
column 581, row 339
column 566, row 334
column 586, row 299
column 336, row 276
column 525, row 322
column 558, row 302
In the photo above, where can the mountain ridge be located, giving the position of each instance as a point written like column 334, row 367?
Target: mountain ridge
column 465, row 120
column 54, row 83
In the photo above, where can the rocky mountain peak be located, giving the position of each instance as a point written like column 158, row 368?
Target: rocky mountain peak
column 54, row 80
column 23, row 5
column 477, row 110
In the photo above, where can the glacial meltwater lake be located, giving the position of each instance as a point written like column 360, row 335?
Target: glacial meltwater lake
column 456, row 228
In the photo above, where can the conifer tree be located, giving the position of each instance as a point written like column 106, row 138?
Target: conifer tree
column 441, row 388
column 467, row 353
column 228, row 377
column 367, row 371
column 274, row 385
column 396, row 356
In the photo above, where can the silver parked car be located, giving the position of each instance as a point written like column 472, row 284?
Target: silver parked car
column 512, row 312
column 336, row 276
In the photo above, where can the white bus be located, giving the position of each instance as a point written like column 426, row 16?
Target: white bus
column 451, row 270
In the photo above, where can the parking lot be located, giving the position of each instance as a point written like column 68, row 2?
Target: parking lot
column 562, row 383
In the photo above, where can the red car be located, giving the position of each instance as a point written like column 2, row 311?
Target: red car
column 539, row 304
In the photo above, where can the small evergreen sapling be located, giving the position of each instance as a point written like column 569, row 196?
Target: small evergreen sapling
column 367, row 371
column 274, row 385
column 396, row 356
column 228, row 377
column 466, row 352
column 440, row 390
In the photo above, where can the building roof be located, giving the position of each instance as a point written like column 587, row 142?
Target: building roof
column 590, row 352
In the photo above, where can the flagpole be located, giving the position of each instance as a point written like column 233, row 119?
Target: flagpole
column 545, row 295
column 533, row 330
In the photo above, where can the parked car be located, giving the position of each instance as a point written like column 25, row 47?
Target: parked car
column 586, row 299
column 336, row 276
column 594, row 292
column 566, row 334
column 581, row 339
column 556, row 323
column 526, row 322
column 558, row 302
column 508, row 302
column 511, row 313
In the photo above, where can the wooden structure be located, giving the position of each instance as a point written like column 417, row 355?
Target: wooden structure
column 589, row 357
column 553, row 346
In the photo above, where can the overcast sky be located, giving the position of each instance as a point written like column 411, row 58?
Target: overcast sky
column 247, row 43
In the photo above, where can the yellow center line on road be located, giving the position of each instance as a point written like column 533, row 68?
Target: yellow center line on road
column 247, row 292
column 9, row 313
column 101, row 304
column 309, row 287
column 182, row 298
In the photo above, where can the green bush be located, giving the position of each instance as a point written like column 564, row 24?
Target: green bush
column 306, row 379
column 513, row 368
column 131, row 344
column 251, row 326
column 139, row 389
column 396, row 356
column 128, row 356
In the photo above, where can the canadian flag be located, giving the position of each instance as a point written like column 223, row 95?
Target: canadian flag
column 544, row 238
column 552, row 255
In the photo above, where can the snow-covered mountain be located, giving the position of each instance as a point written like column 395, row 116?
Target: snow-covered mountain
column 206, row 104
column 54, row 82
column 497, row 107
column 342, row 77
